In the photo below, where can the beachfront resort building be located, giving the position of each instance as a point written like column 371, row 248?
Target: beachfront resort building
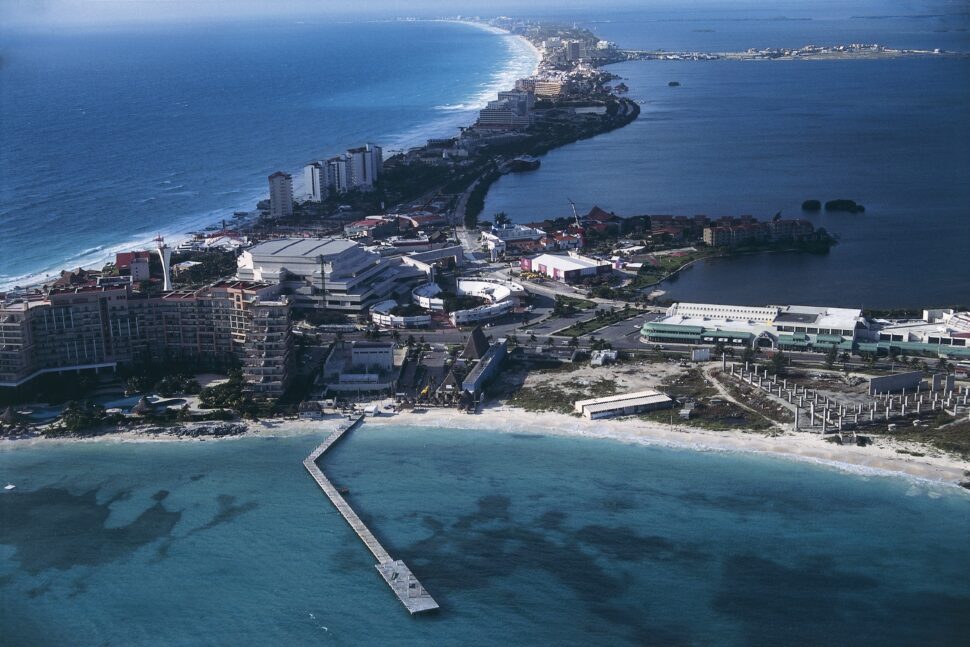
column 327, row 273
column 315, row 187
column 512, row 110
column 356, row 169
column 366, row 163
column 280, row 195
column 98, row 328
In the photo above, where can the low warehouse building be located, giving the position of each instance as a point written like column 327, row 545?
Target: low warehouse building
column 626, row 404
column 569, row 269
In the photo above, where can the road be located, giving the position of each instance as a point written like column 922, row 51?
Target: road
column 458, row 218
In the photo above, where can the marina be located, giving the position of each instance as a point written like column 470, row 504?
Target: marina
column 395, row 572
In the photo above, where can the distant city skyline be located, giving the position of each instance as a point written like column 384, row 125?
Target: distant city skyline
column 110, row 12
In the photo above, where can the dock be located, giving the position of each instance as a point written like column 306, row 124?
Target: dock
column 395, row 572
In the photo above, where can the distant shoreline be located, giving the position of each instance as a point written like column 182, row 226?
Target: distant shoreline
column 37, row 279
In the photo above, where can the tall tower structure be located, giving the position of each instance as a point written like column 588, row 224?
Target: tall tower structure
column 165, row 254
column 315, row 181
column 280, row 195
column 366, row 164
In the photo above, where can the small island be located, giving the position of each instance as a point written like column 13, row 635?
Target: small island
column 844, row 205
column 840, row 204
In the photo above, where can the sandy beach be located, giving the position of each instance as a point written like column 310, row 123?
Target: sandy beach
column 880, row 458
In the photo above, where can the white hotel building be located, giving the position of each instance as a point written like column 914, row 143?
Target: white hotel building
column 280, row 195
column 358, row 168
column 332, row 273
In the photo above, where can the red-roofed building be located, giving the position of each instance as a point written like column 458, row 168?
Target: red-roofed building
column 123, row 259
column 371, row 228
column 599, row 215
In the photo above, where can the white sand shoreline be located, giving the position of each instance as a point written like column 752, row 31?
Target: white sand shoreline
column 938, row 468
column 501, row 32
column 875, row 460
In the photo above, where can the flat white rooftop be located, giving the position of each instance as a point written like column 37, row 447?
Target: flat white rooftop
column 593, row 409
column 565, row 263
column 621, row 400
column 759, row 319
column 302, row 247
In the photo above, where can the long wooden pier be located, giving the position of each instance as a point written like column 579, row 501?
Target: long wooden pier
column 398, row 576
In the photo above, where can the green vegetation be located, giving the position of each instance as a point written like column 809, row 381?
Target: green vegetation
column 52, row 387
column 812, row 205
column 710, row 410
column 566, row 305
column 165, row 385
column 230, row 395
column 668, row 264
column 545, row 136
column 779, row 363
column 214, row 265
column 455, row 302
column 83, row 416
column 560, row 397
column 756, row 399
column 476, row 199
column 602, row 319
column 942, row 434
column 722, row 416
column 830, row 356
column 400, row 183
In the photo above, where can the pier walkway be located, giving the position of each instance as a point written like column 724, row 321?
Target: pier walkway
column 398, row 576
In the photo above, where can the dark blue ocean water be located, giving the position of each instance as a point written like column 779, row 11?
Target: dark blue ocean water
column 522, row 539
column 759, row 137
column 716, row 26
column 112, row 136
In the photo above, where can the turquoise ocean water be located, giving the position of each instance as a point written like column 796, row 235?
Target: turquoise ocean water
column 522, row 539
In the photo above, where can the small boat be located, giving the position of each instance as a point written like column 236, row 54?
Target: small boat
column 674, row 84
column 343, row 490
column 9, row 486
